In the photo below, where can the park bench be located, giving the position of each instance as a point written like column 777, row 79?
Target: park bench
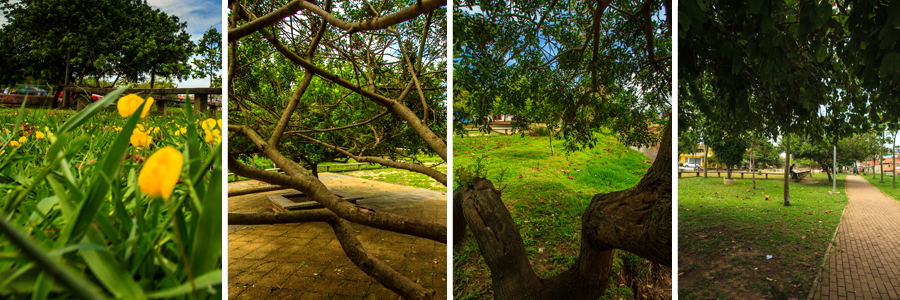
column 741, row 174
column 801, row 175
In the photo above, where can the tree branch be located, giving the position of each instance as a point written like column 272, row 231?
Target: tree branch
column 300, row 179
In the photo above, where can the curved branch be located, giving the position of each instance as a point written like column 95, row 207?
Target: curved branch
column 338, row 128
column 270, row 19
column 346, row 236
column 433, row 141
column 401, row 16
column 440, row 177
column 300, row 179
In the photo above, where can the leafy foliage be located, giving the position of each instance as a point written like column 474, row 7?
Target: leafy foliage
column 551, row 63
column 41, row 35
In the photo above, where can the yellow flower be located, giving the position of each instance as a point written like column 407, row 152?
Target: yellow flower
column 39, row 135
column 208, row 124
column 129, row 104
column 209, row 137
column 139, row 139
column 141, row 127
column 220, row 123
column 177, row 132
column 160, row 173
column 183, row 130
column 14, row 144
column 22, row 140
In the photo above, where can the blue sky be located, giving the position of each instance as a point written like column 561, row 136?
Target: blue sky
column 200, row 15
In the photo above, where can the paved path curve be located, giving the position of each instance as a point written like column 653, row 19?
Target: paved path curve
column 865, row 261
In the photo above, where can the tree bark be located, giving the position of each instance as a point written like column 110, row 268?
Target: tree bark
column 638, row 220
column 753, row 174
column 787, row 165
column 705, row 159
column 346, row 236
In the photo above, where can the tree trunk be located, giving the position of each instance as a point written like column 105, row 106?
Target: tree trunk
column 638, row 220
column 705, row 159
column 314, row 167
column 753, row 174
column 551, row 140
column 787, row 166
column 827, row 169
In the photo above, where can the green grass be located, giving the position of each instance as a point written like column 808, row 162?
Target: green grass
column 265, row 163
column 546, row 196
column 403, row 177
column 74, row 204
column 725, row 233
column 887, row 187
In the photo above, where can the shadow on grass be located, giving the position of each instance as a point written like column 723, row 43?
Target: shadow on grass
column 726, row 233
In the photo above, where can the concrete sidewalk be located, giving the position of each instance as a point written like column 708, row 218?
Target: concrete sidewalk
column 865, row 261
column 305, row 260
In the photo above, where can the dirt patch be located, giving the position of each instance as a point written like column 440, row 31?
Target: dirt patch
column 738, row 270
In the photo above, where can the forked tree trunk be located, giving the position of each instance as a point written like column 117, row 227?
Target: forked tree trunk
column 638, row 220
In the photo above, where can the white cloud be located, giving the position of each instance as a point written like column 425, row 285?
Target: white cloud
column 200, row 15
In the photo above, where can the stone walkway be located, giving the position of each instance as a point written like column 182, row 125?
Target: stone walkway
column 865, row 261
column 305, row 261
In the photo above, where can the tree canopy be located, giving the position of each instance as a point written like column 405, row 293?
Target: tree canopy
column 824, row 70
column 313, row 82
column 123, row 39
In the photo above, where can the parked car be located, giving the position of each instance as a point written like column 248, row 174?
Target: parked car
column 94, row 97
column 692, row 165
column 31, row 91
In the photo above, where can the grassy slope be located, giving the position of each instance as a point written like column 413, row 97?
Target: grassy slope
column 544, row 202
column 726, row 232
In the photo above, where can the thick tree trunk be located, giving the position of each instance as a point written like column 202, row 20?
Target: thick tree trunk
column 638, row 220
column 787, row 166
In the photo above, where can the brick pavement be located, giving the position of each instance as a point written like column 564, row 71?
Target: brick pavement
column 864, row 262
column 305, row 260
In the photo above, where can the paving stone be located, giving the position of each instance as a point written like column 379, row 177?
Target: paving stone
column 864, row 259
column 305, row 260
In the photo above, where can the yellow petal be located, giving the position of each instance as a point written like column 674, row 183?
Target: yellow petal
column 22, row 140
column 128, row 104
column 160, row 173
column 39, row 135
column 14, row 144
column 147, row 107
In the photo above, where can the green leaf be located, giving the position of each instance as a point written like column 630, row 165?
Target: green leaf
column 106, row 268
column 209, row 279
column 821, row 53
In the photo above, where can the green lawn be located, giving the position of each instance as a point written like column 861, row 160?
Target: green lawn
column 725, row 233
column 887, row 187
column 546, row 196
column 403, row 177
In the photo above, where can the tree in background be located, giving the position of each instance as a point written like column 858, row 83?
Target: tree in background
column 89, row 36
column 318, row 81
column 729, row 149
column 210, row 62
column 783, row 67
